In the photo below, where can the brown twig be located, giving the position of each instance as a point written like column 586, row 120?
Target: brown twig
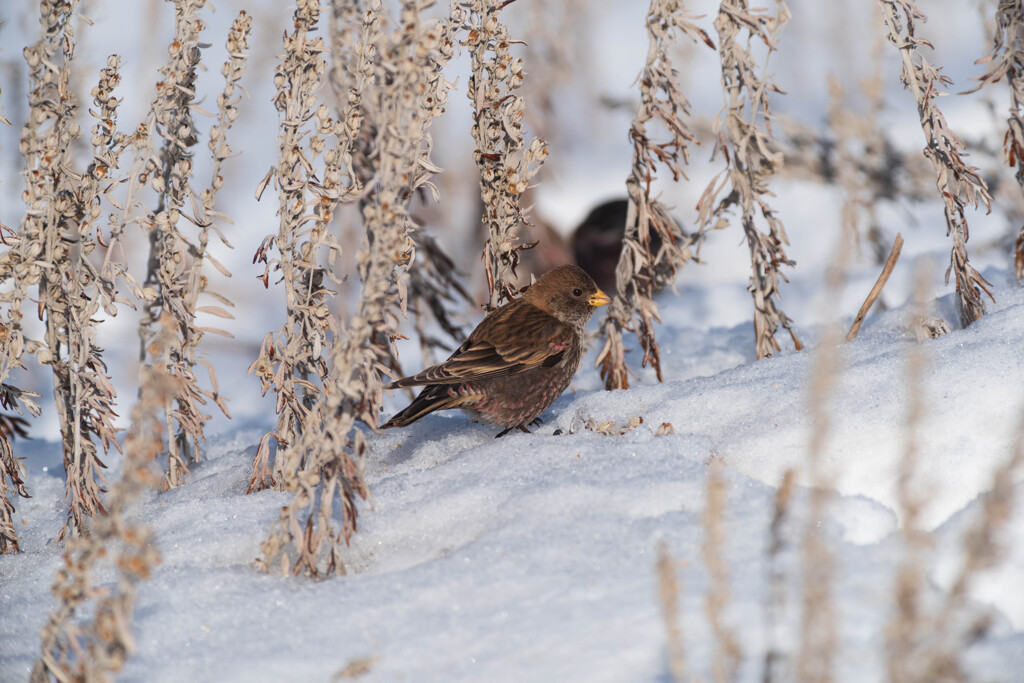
column 668, row 596
column 894, row 256
column 644, row 268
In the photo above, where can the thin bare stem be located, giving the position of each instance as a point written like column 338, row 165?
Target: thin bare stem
column 876, row 290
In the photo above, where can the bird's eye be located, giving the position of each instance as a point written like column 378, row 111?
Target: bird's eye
column 577, row 292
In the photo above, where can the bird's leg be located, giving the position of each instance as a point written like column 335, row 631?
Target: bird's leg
column 521, row 428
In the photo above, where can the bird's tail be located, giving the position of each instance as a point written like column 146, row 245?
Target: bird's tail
column 433, row 397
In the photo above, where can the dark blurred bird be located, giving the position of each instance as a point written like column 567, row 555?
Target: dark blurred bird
column 517, row 361
column 597, row 241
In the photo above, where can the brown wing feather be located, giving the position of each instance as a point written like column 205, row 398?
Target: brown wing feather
column 541, row 342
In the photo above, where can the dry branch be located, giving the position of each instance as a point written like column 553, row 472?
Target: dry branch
column 404, row 80
column 775, row 657
column 433, row 280
column 56, row 240
column 906, row 639
column 642, row 270
column 727, row 652
column 1007, row 59
column 292, row 359
column 876, row 290
column 958, row 184
column 668, row 597
column 750, row 161
column 174, row 279
column 506, row 161
column 863, row 157
column 95, row 649
column 11, row 470
column 15, row 271
column 819, row 642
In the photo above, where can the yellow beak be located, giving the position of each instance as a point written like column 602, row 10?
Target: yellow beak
column 599, row 299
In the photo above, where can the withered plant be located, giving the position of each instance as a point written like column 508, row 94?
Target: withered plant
column 15, row 269
column 174, row 279
column 555, row 48
column 908, row 625
column 727, row 652
column 859, row 161
column 402, row 72
column 292, row 359
column 1007, row 60
column 776, row 659
column 959, row 185
column 94, row 648
column 958, row 624
column 506, row 162
column 641, row 269
column 13, row 471
column 926, row 638
column 56, row 239
column 751, row 163
column 890, row 173
column 815, row 660
column 668, row 597
column 434, row 287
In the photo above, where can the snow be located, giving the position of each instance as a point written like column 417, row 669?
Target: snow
column 533, row 557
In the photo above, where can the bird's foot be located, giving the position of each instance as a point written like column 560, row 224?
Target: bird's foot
column 521, row 428
column 536, row 422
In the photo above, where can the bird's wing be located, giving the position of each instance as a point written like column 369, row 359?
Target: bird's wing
column 539, row 341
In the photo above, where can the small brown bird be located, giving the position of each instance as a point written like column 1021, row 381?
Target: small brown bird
column 517, row 361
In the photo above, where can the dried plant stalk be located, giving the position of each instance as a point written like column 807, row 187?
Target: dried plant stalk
column 56, row 240
column 292, row 359
column 819, row 641
column 555, row 50
column 906, row 633
column 174, row 279
column 11, row 470
column 750, row 161
column 15, row 271
column 668, row 596
column 433, row 280
column 506, row 162
column 958, row 184
column 876, row 290
column 863, row 163
column 642, row 270
column 404, row 79
column 97, row 649
column 1007, row 59
column 434, row 286
column 775, row 659
column 727, row 653
column 984, row 546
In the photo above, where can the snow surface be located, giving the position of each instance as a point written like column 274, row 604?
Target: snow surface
column 532, row 557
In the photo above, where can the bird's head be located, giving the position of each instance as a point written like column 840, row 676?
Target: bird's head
column 567, row 293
